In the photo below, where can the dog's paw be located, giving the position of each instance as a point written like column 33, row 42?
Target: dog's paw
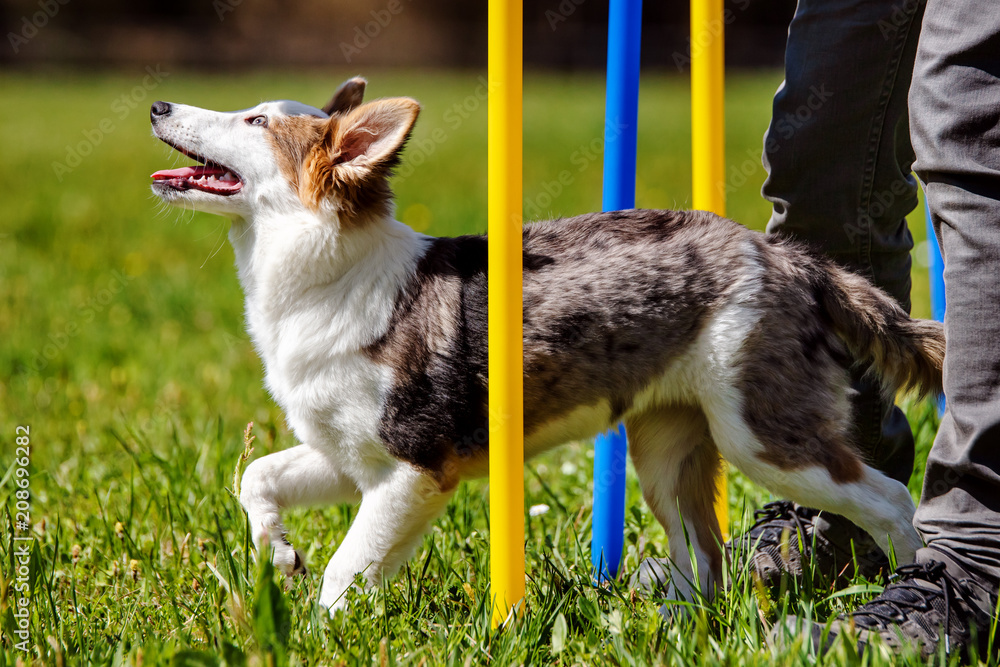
column 289, row 561
column 653, row 577
column 656, row 578
column 332, row 601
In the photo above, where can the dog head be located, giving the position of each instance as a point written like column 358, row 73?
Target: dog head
column 280, row 158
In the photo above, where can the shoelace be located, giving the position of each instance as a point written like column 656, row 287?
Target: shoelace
column 933, row 572
column 779, row 510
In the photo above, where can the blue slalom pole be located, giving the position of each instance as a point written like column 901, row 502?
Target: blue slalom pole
column 936, row 269
column 620, row 139
column 936, row 275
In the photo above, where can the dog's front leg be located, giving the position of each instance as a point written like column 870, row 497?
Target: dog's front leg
column 300, row 475
column 395, row 512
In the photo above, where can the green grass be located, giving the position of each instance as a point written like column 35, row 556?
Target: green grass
column 124, row 352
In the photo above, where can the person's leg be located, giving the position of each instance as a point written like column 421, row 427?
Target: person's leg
column 838, row 158
column 956, row 132
column 955, row 114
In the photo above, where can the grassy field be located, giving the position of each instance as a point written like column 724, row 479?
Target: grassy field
column 124, row 355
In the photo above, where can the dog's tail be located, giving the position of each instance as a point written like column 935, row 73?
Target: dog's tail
column 905, row 353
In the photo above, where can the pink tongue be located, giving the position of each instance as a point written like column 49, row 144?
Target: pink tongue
column 186, row 172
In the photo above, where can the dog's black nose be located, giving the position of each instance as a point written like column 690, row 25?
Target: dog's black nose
column 159, row 109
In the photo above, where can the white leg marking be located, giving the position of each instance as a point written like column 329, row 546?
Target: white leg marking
column 884, row 509
column 297, row 476
column 394, row 515
column 881, row 506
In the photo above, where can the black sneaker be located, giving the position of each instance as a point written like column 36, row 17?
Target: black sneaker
column 786, row 535
column 922, row 608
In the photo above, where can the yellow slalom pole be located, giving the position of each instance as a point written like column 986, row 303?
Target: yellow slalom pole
column 708, row 138
column 506, row 361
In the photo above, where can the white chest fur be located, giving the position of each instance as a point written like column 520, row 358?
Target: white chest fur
column 316, row 299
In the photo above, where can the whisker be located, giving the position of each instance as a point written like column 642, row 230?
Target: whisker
column 219, row 246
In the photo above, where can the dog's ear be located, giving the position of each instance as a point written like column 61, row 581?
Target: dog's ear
column 349, row 95
column 358, row 152
column 373, row 134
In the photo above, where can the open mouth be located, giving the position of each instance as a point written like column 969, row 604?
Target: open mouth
column 207, row 177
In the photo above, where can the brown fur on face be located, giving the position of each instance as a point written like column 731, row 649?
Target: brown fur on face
column 353, row 159
column 348, row 158
column 293, row 138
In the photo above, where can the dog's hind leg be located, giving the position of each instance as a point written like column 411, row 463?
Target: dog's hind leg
column 395, row 512
column 300, row 475
column 824, row 473
column 676, row 461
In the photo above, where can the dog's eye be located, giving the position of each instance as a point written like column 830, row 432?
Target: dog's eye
column 257, row 120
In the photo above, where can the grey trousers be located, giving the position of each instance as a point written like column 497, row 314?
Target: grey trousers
column 839, row 157
column 955, row 116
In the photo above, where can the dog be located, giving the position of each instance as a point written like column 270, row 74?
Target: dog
column 707, row 339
